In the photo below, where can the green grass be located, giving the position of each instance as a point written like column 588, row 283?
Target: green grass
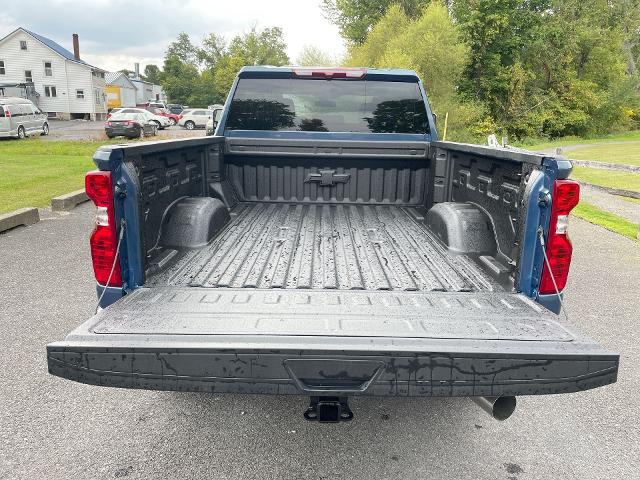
column 607, row 220
column 626, row 153
column 632, row 200
column 32, row 171
column 607, row 178
column 534, row 144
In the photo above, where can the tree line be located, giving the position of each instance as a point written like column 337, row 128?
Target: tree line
column 532, row 68
column 522, row 68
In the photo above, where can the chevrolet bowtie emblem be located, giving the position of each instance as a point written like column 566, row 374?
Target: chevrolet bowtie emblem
column 328, row 178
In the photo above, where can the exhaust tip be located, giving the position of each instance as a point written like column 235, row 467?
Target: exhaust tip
column 499, row 408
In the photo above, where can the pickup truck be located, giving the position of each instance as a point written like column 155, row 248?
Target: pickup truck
column 325, row 243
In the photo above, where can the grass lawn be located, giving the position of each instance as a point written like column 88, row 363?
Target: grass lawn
column 627, row 153
column 561, row 142
column 607, row 178
column 632, row 200
column 610, row 221
column 34, row 170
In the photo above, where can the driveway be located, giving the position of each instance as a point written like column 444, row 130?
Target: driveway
column 53, row 428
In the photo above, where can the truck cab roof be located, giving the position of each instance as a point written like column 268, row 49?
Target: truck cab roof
column 368, row 73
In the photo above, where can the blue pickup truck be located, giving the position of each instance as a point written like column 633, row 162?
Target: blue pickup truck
column 324, row 242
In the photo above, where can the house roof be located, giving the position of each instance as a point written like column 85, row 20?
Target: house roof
column 56, row 47
column 111, row 77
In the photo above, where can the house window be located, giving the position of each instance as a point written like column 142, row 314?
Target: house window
column 80, row 94
column 2, row 69
column 48, row 69
column 1, row 95
column 97, row 96
column 23, row 44
column 50, row 91
column 28, row 77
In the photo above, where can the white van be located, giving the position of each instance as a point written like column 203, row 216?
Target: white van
column 19, row 117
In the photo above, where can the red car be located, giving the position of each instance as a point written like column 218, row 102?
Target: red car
column 163, row 112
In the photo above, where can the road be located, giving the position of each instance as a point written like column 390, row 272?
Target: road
column 53, row 428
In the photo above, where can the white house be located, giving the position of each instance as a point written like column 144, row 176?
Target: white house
column 67, row 86
column 121, row 91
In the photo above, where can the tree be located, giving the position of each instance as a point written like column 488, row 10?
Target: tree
column 431, row 45
column 183, row 50
column 260, row 47
column 312, row 56
column 256, row 47
column 179, row 80
column 356, row 18
column 213, row 48
column 202, row 75
column 153, row 74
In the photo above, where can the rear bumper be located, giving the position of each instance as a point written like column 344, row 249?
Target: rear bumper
column 316, row 372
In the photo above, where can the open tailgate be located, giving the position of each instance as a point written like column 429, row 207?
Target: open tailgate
column 331, row 342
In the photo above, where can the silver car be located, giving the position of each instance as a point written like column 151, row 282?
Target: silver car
column 19, row 117
column 195, row 118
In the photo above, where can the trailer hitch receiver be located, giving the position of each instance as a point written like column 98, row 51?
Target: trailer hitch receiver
column 328, row 410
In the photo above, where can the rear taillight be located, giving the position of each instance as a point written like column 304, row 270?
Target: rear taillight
column 104, row 241
column 108, row 124
column 7, row 112
column 566, row 195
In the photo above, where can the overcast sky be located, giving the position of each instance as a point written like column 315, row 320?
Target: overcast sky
column 116, row 33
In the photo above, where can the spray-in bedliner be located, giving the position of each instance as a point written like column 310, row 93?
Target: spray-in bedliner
column 346, row 247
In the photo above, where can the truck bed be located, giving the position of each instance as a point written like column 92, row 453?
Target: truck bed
column 310, row 246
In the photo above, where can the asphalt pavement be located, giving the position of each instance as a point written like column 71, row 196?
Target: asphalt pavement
column 56, row 429
column 89, row 130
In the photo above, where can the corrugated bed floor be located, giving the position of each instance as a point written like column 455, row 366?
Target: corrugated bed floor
column 368, row 247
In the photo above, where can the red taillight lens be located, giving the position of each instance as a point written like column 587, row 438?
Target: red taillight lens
column 99, row 188
column 108, row 124
column 104, row 241
column 7, row 112
column 566, row 195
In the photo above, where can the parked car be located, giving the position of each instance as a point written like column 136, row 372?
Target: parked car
column 154, row 104
column 113, row 111
column 160, row 121
column 195, row 118
column 19, row 118
column 163, row 112
column 175, row 108
column 212, row 123
column 130, row 125
column 328, row 244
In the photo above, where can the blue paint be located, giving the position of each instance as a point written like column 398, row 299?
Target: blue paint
column 550, row 302
column 112, row 295
column 368, row 137
column 539, row 216
column 529, row 266
column 125, row 207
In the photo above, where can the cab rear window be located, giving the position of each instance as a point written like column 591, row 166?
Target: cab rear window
column 320, row 105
